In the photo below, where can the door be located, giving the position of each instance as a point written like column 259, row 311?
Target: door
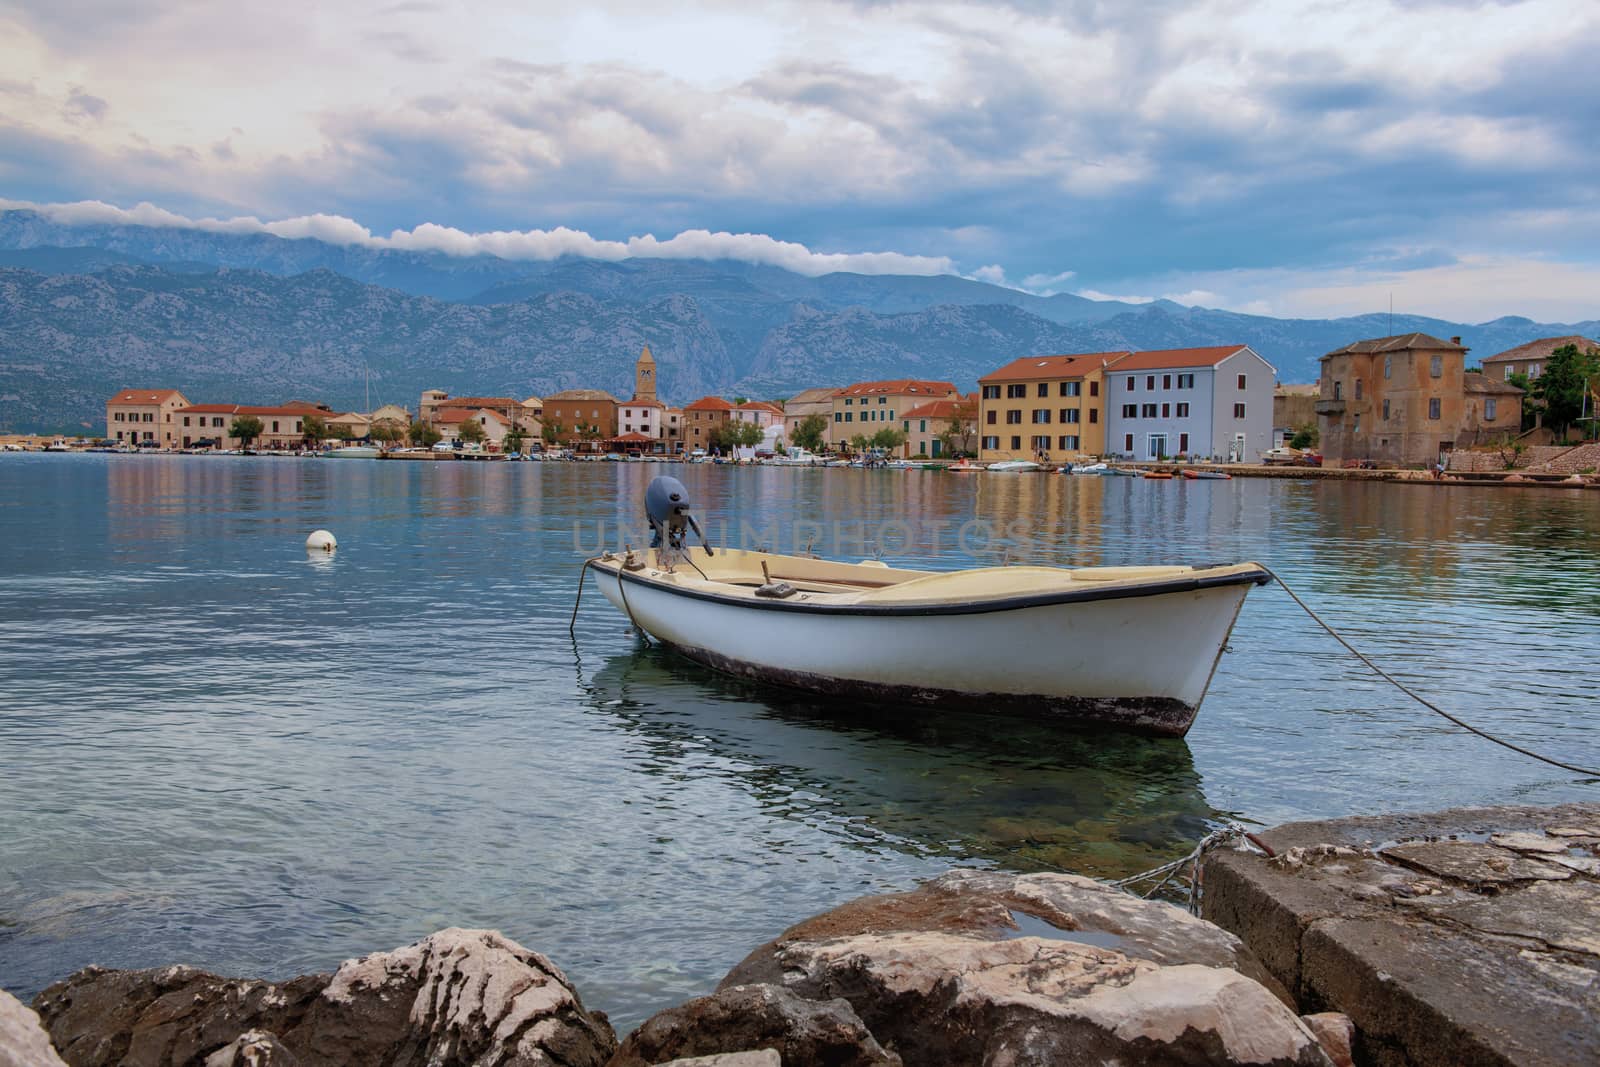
column 1157, row 446
column 1236, row 453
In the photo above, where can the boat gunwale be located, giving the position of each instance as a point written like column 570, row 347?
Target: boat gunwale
column 1256, row 575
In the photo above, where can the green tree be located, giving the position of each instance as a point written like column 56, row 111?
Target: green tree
column 245, row 428
column 551, row 433
column 512, row 442
column 423, row 435
column 342, row 432
column 1305, row 437
column 740, row 400
column 313, row 428
column 471, row 431
column 859, row 441
column 808, row 434
column 1564, row 384
column 386, row 432
column 1530, row 402
column 889, row 438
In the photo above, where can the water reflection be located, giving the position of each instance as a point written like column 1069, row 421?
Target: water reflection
column 1011, row 792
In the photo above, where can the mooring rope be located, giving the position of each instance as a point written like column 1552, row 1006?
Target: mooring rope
column 1436, row 709
column 1167, row 871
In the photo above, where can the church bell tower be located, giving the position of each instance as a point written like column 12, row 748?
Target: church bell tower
column 644, row 376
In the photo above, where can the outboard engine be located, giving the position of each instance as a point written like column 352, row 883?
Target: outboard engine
column 666, row 506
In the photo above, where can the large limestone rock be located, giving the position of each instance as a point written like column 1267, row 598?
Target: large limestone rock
column 1457, row 937
column 23, row 1042
column 1022, row 970
column 458, row 997
column 741, row 1019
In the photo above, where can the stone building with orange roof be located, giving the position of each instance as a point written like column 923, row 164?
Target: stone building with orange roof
column 941, row 427
column 137, row 415
column 702, row 419
column 867, row 407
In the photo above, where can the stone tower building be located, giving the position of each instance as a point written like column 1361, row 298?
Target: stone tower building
column 644, row 376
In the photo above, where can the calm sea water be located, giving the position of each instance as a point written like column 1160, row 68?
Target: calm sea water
column 216, row 749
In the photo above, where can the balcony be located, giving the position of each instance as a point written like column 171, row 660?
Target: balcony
column 1330, row 407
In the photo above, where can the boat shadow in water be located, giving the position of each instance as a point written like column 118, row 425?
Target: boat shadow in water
column 1014, row 793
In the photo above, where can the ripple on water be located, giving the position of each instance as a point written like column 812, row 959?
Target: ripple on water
column 217, row 749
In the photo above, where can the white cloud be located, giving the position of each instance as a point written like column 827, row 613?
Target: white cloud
column 516, row 244
column 1047, row 284
column 1095, row 294
column 994, row 274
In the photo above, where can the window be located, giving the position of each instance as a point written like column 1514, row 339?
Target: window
column 1127, row 442
column 849, row 416
column 149, row 416
column 1183, row 410
column 1014, row 417
column 1016, row 443
column 1148, row 411
column 1041, row 444
column 991, row 442
column 274, row 425
column 991, row 392
column 1044, row 389
column 1358, row 388
column 1041, row 416
column 1183, row 443
column 1388, row 365
column 1071, row 415
column 1356, row 428
column 922, row 426
column 1094, row 388
column 1241, row 381
column 1338, row 390
column 1166, row 381
column 1071, row 388
column 883, row 400
column 1433, row 407
column 990, row 416
column 1489, row 408
column 1094, row 414
column 1150, row 382
column 216, row 422
column 1436, row 367
column 1238, row 411
column 1131, row 387
column 1185, row 381
column 1509, row 372
column 848, row 401
column 838, row 416
column 1016, row 392
column 1534, row 369
column 1166, row 411
column 1386, row 410
column 1069, row 443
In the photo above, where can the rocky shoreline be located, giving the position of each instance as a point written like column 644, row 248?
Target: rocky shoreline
column 1431, row 919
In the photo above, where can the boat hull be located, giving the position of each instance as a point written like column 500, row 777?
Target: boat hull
column 1141, row 661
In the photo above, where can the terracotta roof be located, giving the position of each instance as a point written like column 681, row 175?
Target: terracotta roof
column 1073, row 366
column 945, row 409
column 709, row 403
column 637, row 403
column 143, row 396
column 581, row 394
column 208, row 409
column 898, row 386
column 279, row 409
column 1397, row 343
column 1541, row 349
column 1474, row 382
column 1162, row 359
column 451, row 416
column 760, row 405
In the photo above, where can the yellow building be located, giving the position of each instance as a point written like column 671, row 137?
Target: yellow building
column 138, row 415
column 1045, row 408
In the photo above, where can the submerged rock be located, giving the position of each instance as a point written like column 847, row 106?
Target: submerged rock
column 1019, row 970
column 23, row 1042
column 457, row 997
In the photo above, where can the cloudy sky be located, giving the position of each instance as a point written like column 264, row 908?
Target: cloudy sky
column 1285, row 157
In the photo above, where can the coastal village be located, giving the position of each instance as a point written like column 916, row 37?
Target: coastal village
column 1407, row 401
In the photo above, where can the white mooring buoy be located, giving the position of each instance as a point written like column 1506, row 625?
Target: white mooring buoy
column 321, row 541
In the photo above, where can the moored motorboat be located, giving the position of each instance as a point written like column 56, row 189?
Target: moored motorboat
column 1129, row 646
column 1159, row 476
column 1013, row 466
column 353, row 452
column 964, row 466
column 1207, row 476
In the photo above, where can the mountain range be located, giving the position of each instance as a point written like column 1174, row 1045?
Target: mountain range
column 86, row 310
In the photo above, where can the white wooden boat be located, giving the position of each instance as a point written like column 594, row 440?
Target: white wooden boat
column 1129, row 646
column 1013, row 466
column 353, row 452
